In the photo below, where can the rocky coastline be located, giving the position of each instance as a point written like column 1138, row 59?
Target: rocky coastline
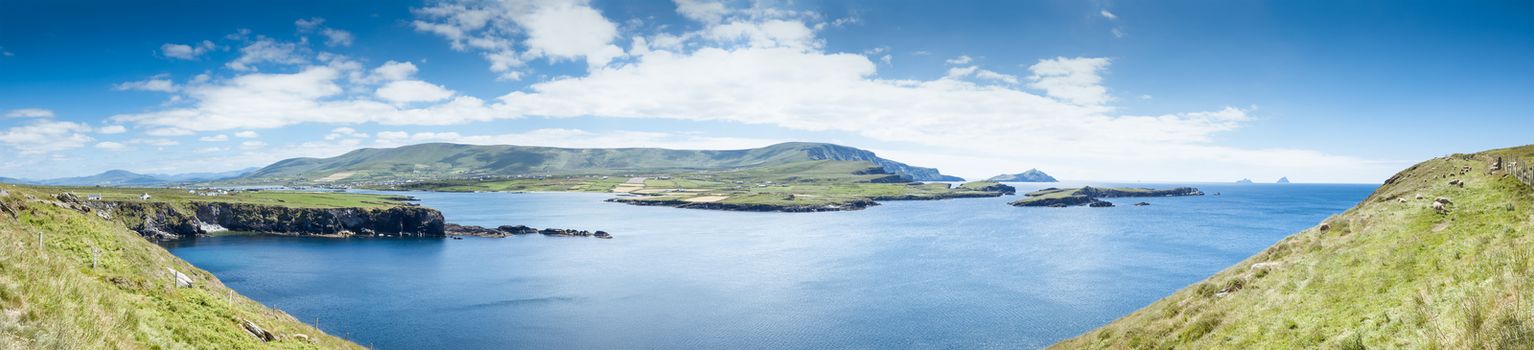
column 1089, row 196
column 162, row 220
column 509, row 230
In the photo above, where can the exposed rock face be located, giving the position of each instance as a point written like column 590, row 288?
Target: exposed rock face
column 508, row 230
column 169, row 221
column 999, row 188
column 1032, row 175
column 1283, row 180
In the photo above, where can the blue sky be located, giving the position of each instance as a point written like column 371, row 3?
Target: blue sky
column 1092, row 90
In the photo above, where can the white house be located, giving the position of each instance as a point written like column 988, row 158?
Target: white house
column 144, row 196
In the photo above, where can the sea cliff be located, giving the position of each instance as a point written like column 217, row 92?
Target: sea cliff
column 167, row 220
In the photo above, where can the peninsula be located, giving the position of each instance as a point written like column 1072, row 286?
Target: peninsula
column 1089, row 196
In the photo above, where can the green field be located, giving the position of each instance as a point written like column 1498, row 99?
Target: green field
column 1390, row 273
column 295, row 199
column 93, row 284
column 806, row 183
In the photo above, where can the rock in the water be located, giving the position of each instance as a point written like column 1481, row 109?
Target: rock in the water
column 1141, row 204
column 1100, row 204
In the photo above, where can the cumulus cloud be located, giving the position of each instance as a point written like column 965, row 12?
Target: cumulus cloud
column 959, row 60
column 186, row 52
column 1109, row 15
column 112, row 129
column 555, row 29
column 29, row 113
column 1075, row 80
column 159, row 84
column 266, row 50
column 110, row 146
column 407, row 91
column 247, row 134
column 46, row 136
column 214, row 138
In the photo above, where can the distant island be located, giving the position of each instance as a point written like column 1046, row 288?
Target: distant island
column 1088, row 196
column 1032, row 175
column 1244, row 181
column 1283, row 180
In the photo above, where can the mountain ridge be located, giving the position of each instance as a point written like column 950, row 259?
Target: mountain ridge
column 459, row 160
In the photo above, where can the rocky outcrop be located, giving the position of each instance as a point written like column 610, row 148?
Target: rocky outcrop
column 788, row 208
column 159, row 220
column 508, row 230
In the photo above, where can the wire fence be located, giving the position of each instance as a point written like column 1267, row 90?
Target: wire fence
column 1522, row 169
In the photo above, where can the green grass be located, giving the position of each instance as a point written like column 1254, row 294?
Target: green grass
column 804, row 183
column 52, row 295
column 294, row 199
column 1385, row 274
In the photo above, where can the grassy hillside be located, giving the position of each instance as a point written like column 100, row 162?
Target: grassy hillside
column 93, row 284
column 1392, row 272
column 293, row 199
column 439, row 161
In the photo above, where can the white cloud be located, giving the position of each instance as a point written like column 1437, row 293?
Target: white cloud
column 391, row 71
column 554, row 29
column 344, row 133
column 46, row 136
column 172, row 131
column 1109, row 15
column 214, row 138
column 266, row 50
column 111, row 146
column 252, row 144
column 29, row 113
column 186, row 52
column 961, row 60
column 308, row 24
column 408, row 91
column 247, row 134
column 153, row 84
column 337, row 37
column 705, row 11
column 111, row 129
column 1074, row 80
column 154, row 142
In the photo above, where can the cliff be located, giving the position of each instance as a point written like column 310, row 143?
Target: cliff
column 164, row 220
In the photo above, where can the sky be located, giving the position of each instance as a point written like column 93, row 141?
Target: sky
column 1084, row 90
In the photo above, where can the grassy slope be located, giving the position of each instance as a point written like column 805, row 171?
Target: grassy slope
column 280, row 198
column 789, row 184
column 1386, row 274
column 53, row 297
column 452, row 161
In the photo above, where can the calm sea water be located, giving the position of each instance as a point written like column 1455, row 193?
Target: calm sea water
column 964, row 273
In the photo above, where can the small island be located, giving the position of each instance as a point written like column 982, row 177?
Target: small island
column 1088, row 196
column 1032, row 175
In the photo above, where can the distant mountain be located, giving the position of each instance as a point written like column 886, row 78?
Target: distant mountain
column 1283, row 180
column 14, row 181
column 1032, row 175
column 128, row 178
column 108, row 178
column 1244, row 181
column 455, row 160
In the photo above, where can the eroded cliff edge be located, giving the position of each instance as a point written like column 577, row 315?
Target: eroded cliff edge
column 163, row 220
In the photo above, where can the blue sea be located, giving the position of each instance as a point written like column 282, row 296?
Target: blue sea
column 960, row 273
